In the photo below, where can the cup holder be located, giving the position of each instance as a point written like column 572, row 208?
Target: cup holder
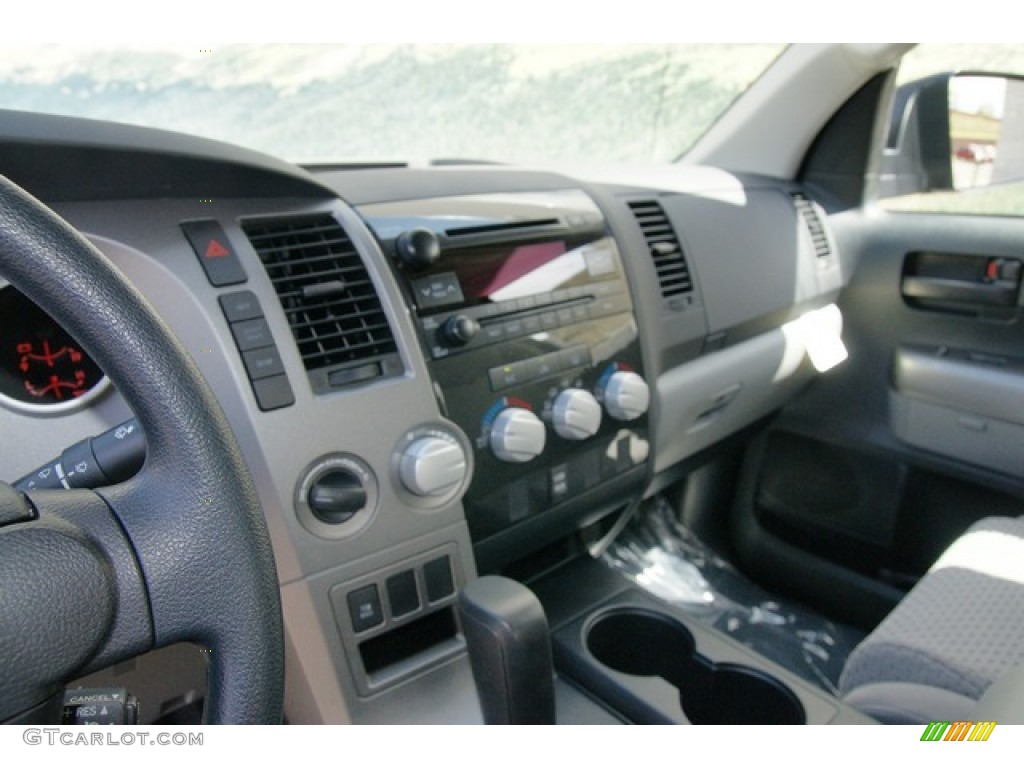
column 649, row 644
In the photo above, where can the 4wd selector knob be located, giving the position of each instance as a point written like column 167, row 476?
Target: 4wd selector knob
column 432, row 466
column 517, row 435
column 626, row 396
column 336, row 496
column 576, row 414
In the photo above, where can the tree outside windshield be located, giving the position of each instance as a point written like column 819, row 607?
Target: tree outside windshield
column 409, row 103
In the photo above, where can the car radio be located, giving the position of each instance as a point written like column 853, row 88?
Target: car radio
column 527, row 323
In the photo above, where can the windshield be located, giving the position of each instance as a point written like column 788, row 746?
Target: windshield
column 406, row 103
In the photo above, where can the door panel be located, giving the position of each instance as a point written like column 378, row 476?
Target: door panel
column 860, row 483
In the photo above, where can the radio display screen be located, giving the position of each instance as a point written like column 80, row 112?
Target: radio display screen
column 497, row 274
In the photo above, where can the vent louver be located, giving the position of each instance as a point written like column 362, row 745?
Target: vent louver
column 331, row 304
column 815, row 227
column 666, row 251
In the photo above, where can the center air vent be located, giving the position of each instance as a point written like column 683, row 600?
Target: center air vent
column 666, row 251
column 331, row 304
column 815, row 227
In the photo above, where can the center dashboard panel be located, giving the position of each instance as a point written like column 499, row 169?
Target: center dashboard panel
column 526, row 321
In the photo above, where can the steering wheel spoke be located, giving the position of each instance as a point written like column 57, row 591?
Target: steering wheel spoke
column 73, row 598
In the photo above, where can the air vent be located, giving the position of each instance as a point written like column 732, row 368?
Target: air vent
column 331, row 304
column 666, row 252
column 815, row 227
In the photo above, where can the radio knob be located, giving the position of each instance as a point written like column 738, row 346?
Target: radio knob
column 576, row 414
column 432, row 466
column 626, row 396
column 459, row 330
column 418, row 248
column 517, row 435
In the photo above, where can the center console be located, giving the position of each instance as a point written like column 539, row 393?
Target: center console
column 526, row 320
column 653, row 663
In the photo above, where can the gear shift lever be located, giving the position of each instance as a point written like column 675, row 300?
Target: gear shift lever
column 509, row 651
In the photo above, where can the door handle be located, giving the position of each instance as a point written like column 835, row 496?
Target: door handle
column 1001, row 294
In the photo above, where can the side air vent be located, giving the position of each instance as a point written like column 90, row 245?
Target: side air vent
column 331, row 304
column 666, row 252
column 815, row 227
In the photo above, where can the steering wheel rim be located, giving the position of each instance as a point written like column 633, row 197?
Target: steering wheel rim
column 178, row 553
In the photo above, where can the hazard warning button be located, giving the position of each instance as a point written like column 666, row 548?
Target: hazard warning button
column 214, row 251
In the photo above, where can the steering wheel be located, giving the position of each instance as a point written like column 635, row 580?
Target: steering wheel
column 178, row 553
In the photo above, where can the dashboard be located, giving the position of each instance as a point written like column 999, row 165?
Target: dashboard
column 433, row 372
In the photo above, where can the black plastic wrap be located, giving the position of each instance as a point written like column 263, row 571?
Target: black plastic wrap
column 663, row 557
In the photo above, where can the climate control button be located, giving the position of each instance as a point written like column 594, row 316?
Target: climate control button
column 517, row 435
column 576, row 414
column 626, row 396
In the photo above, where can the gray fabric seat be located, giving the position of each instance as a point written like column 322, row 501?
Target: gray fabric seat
column 951, row 637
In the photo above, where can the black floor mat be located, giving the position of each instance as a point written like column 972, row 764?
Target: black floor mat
column 669, row 561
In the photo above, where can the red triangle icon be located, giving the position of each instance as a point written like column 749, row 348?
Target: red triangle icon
column 216, row 250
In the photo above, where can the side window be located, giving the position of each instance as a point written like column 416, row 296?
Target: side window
column 961, row 150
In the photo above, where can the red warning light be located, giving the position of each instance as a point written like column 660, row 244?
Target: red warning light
column 215, row 250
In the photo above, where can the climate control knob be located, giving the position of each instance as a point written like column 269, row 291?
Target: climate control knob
column 432, row 466
column 576, row 414
column 626, row 396
column 517, row 435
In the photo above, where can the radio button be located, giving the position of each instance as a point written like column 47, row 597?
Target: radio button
column 493, row 332
column 517, row 435
column 576, row 415
column 610, row 305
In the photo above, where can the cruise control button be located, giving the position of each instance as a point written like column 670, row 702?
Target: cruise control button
column 214, row 251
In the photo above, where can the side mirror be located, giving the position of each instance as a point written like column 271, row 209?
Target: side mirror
column 953, row 132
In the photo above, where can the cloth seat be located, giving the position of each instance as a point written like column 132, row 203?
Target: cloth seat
column 957, row 631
